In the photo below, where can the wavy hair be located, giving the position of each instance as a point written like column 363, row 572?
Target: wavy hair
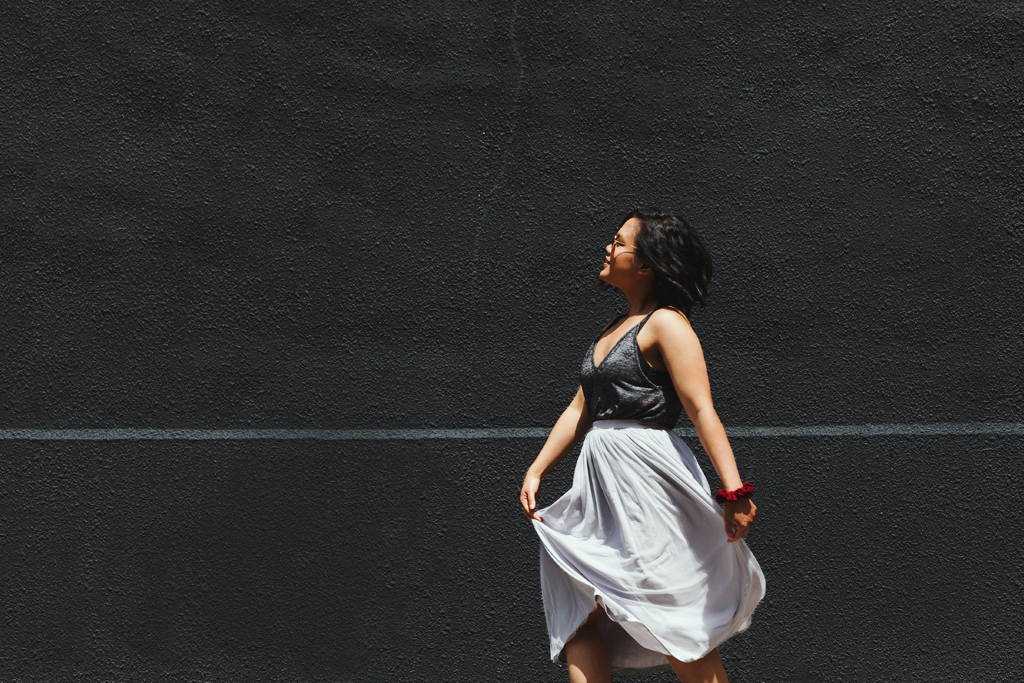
column 672, row 249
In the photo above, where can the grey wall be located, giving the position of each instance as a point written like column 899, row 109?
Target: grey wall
column 384, row 215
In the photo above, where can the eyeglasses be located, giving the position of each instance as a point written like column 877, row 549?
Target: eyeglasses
column 617, row 243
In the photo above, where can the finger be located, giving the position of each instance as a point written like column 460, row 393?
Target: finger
column 533, row 499
column 528, row 508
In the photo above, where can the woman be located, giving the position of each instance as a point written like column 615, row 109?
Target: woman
column 640, row 566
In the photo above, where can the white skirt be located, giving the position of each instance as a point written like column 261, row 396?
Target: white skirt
column 640, row 532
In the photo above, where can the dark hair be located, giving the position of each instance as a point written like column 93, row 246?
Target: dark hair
column 667, row 244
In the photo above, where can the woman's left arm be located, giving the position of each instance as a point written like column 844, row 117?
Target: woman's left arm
column 681, row 352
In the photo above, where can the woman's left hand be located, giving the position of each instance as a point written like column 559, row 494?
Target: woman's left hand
column 739, row 516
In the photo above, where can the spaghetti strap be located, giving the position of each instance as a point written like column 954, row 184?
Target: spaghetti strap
column 608, row 326
column 646, row 318
column 636, row 329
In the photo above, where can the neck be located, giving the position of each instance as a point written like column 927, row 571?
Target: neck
column 641, row 300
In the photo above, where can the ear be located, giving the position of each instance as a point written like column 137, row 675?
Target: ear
column 641, row 267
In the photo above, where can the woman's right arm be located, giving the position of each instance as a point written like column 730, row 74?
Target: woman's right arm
column 570, row 428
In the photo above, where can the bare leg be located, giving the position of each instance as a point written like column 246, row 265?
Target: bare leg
column 587, row 654
column 707, row 669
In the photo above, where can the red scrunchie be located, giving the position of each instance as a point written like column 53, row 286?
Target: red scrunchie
column 744, row 491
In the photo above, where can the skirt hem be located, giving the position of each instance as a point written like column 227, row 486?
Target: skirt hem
column 616, row 616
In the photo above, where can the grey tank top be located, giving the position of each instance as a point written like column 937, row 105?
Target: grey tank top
column 626, row 387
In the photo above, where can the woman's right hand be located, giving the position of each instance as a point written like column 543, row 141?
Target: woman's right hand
column 528, row 496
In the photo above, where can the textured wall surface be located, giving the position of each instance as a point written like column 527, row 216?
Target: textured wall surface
column 391, row 214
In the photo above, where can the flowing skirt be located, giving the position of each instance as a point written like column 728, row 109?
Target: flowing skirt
column 640, row 533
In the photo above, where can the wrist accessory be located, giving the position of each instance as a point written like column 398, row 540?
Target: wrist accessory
column 744, row 491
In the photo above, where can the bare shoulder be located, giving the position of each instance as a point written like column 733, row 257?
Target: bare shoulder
column 672, row 322
column 672, row 334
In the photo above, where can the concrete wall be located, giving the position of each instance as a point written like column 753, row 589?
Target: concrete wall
column 391, row 215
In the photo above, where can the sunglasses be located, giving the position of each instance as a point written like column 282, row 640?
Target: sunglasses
column 617, row 243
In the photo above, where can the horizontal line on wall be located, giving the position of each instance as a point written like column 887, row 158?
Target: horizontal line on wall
column 139, row 434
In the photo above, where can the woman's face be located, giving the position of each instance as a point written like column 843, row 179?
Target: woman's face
column 619, row 267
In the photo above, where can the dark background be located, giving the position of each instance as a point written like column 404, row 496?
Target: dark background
column 382, row 215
